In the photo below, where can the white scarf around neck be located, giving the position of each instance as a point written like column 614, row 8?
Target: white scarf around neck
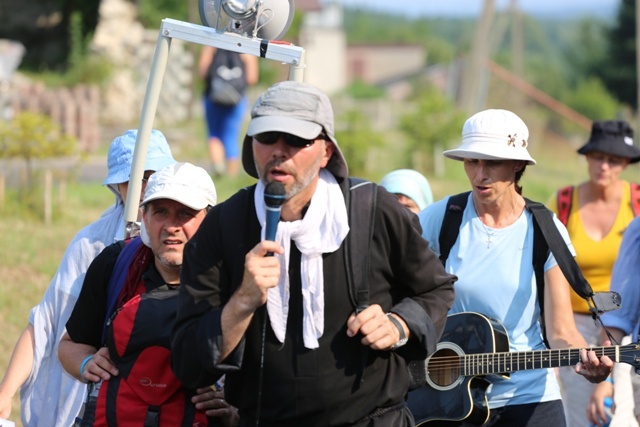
column 322, row 230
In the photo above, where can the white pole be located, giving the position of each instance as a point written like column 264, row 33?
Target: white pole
column 149, row 108
column 171, row 28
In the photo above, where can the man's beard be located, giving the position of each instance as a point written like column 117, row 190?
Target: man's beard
column 298, row 184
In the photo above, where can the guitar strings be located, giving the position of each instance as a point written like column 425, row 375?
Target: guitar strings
column 502, row 358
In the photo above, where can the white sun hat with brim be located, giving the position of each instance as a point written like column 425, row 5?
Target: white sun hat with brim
column 493, row 135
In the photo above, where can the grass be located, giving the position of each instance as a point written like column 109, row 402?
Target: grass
column 30, row 256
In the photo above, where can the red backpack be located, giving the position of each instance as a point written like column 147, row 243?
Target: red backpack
column 146, row 392
column 565, row 199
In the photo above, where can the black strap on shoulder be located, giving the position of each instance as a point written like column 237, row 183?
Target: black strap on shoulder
column 540, row 255
column 543, row 217
column 450, row 227
column 361, row 203
column 360, row 199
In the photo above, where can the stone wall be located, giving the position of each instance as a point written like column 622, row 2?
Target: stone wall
column 75, row 110
column 123, row 40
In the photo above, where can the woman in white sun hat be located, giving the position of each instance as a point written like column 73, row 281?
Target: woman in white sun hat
column 492, row 257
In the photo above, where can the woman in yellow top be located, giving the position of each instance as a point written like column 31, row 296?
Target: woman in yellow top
column 599, row 211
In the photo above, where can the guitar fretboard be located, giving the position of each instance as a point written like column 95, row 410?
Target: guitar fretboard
column 490, row 363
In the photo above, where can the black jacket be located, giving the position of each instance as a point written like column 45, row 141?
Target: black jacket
column 325, row 386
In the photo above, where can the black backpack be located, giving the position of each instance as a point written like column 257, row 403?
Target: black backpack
column 227, row 80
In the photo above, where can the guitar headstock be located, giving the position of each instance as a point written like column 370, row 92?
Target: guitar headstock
column 630, row 354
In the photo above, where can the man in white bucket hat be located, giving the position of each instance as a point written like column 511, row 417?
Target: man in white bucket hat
column 492, row 257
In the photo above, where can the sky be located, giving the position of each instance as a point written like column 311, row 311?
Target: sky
column 434, row 8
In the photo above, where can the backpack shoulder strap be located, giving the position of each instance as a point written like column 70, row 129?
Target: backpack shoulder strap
column 361, row 206
column 565, row 199
column 450, row 227
column 558, row 247
column 540, row 254
column 635, row 198
column 118, row 277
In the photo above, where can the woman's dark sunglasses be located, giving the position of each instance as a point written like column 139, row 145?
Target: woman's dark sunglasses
column 270, row 138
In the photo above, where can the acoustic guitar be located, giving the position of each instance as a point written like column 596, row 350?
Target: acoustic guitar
column 472, row 347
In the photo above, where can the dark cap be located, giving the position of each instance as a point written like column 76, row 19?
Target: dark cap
column 614, row 137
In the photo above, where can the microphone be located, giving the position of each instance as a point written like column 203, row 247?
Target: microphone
column 274, row 195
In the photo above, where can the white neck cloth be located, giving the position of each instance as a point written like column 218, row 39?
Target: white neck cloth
column 322, row 230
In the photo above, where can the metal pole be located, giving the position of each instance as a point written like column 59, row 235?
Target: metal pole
column 296, row 71
column 149, row 107
column 479, row 53
column 171, row 28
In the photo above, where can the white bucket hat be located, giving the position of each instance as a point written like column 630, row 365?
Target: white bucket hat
column 493, row 135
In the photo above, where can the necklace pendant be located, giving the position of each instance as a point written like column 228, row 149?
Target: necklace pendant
column 489, row 242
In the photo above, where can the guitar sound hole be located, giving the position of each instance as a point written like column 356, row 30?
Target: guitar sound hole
column 444, row 367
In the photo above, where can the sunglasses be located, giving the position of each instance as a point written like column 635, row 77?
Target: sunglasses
column 270, row 138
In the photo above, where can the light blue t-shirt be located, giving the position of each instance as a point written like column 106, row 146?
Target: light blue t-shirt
column 496, row 279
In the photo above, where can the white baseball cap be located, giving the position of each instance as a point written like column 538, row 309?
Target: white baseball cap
column 183, row 182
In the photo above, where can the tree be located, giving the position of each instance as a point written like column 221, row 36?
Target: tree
column 619, row 70
column 32, row 136
column 431, row 126
column 356, row 138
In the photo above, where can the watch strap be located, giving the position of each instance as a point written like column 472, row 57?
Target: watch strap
column 403, row 338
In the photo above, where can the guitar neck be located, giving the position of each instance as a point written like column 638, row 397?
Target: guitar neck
column 492, row 363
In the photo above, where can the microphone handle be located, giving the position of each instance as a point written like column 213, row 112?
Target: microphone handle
column 271, row 226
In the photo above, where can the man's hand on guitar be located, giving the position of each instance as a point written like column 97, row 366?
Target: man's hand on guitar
column 378, row 331
column 591, row 367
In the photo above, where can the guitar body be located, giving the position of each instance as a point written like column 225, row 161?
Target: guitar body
column 449, row 396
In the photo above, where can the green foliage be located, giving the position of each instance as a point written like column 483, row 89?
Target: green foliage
column 82, row 67
column 360, row 90
column 619, row 69
column 372, row 27
column 356, row 138
column 591, row 99
column 433, row 123
column 32, row 136
column 78, row 45
column 152, row 12
column 586, row 32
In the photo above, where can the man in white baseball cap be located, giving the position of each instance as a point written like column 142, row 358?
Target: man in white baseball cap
column 176, row 200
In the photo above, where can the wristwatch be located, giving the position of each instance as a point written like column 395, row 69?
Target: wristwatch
column 403, row 338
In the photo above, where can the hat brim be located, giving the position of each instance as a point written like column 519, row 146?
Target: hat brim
column 486, row 154
column 123, row 175
column 625, row 151
column 190, row 201
column 304, row 129
column 297, row 127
